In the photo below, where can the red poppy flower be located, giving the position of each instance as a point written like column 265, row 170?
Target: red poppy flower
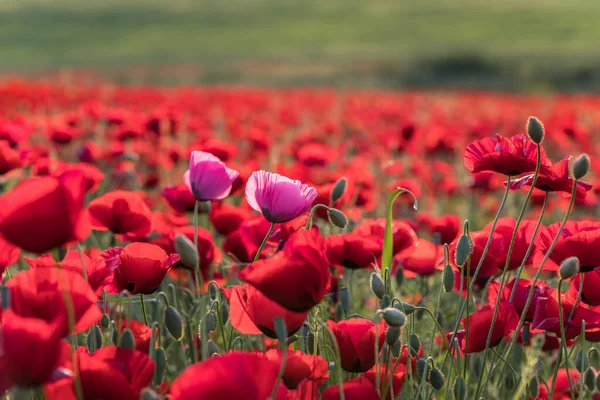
column 301, row 367
column 521, row 295
column 226, row 218
column 23, row 340
column 9, row 254
column 508, row 156
column 41, row 214
column 506, row 227
column 138, row 267
column 92, row 174
column 555, row 180
column 493, row 259
column 404, row 236
column 9, row 159
column 355, row 389
column 110, row 373
column 398, row 377
column 120, row 212
column 232, row 376
column 179, row 198
column 244, row 242
column 297, row 277
column 578, row 239
column 479, row 327
column 562, row 388
column 141, row 333
column 356, row 340
column 591, row 282
column 38, row 293
column 422, row 260
column 446, row 226
column 252, row 313
column 350, row 250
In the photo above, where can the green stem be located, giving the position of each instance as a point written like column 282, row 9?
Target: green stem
column 311, row 216
column 144, row 309
column 563, row 344
column 338, row 360
column 199, row 284
column 281, row 371
column 262, row 245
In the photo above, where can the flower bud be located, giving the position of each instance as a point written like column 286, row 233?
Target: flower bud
column 377, row 285
column 598, row 382
column 594, row 357
column 212, row 348
column 392, row 335
column 339, row 312
column 399, row 276
column 396, row 347
column 393, row 317
column 127, row 340
column 463, row 250
column 422, row 367
column 280, row 329
column 477, row 367
column 581, row 166
column 148, row 394
column 105, row 322
column 210, row 321
column 186, row 250
column 310, row 342
column 535, row 130
column 436, row 379
column 94, row 339
column 385, row 301
column 448, row 278
column 174, row 323
column 589, row 379
column 406, row 308
column 534, row 387
column 460, row 388
column 414, row 344
column 160, row 361
column 345, row 299
column 337, row 218
column 5, row 297
column 338, row 190
column 581, row 361
column 569, row 268
column 213, row 291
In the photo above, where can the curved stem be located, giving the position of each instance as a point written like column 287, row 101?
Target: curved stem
column 262, row 245
column 507, row 265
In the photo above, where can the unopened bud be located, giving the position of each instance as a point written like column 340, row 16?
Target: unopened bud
column 377, row 285
column 345, row 299
column 392, row 335
column 94, row 339
column 127, row 340
column 338, row 190
column 212, row 348
column 5, row 297
column 535, row 130
column 174, row 323
column 534, row 387
column 393, row 317
column 415, row 344
column 569, row 268
column 406, row 308
column 385, row 301
column 105, row 321
column 210, row 321
column 581, row 166
column 422, row 367
column 589, row 378
column 460, row 388
column 186, row 250
column 463, row 250
column 399, row 276
column 448, row 278
column 337, row 218
column 436, row 379
column 581, row 361
column 160, row 361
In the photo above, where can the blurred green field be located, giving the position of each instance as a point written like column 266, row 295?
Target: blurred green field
column 509, row 42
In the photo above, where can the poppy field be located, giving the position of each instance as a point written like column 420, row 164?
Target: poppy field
column 294, row 244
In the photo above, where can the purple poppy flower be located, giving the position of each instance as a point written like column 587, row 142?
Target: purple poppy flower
column 279, row 198
column 208, row 178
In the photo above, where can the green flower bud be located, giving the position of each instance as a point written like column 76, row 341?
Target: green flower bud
column 211, row 322
column 535, row 130
column 339, row 312
column 589, row 379
column 594, row 357
column 464, row 248
column 414, row 344
column 405, row 308
column 94, row 339
column 393, row 317
column 598, row 382
column 148, row 394
column 5, row 297
column 569, row 268
column 460, row 388
column 212, row 348
column 105, row 322
column 581, row 166
column 345, row 299
column 337, row 218
column 399, row 276
column 422, row 367
column 534, row 387
column 186, row 250
column 174, row 323
column 396, row 347
column 581, row 361
column 161, row 364
column 127, row 340
column 385, row 301
column 338, row 190
column 213, row 291
column 526, row 334
column 448, row 278
column 377, row 285
column 392, row 335
column 436, row 379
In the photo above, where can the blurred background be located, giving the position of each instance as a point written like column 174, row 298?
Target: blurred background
column 514, row 45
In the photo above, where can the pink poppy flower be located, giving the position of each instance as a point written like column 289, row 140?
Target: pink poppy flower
column 208, row 178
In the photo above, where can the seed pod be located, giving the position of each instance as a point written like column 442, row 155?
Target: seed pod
column 535, row 130
column 186, row 250
column 399, row 276
column 148, row 394
column 436, row 379
column 422, row 368
column 280, row 329
column 345, row 299
column 105, row 322
column 174, row 323
column 161, row 364
column 127, row 340
column 338, row 190
column 337, row 218
column 589, row 379
column 460, row 388
column 448, row 278
column 377, row 285
column 212, row 348
column 392, row 335
column 581, row 361
column 569, row 268
column 414, row 344
column 94, row 339
column 385, row 301
column 534, row 387
column 463, row 250
column 393, row 317
column 581, row 166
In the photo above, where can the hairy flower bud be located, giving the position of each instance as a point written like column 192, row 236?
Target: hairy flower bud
column 377, row 285
column 569, row 268
column 337, row 218
column 393, row 317
column 338, row 190
column 535, row 130
column 581, row 166
column 174, row 323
